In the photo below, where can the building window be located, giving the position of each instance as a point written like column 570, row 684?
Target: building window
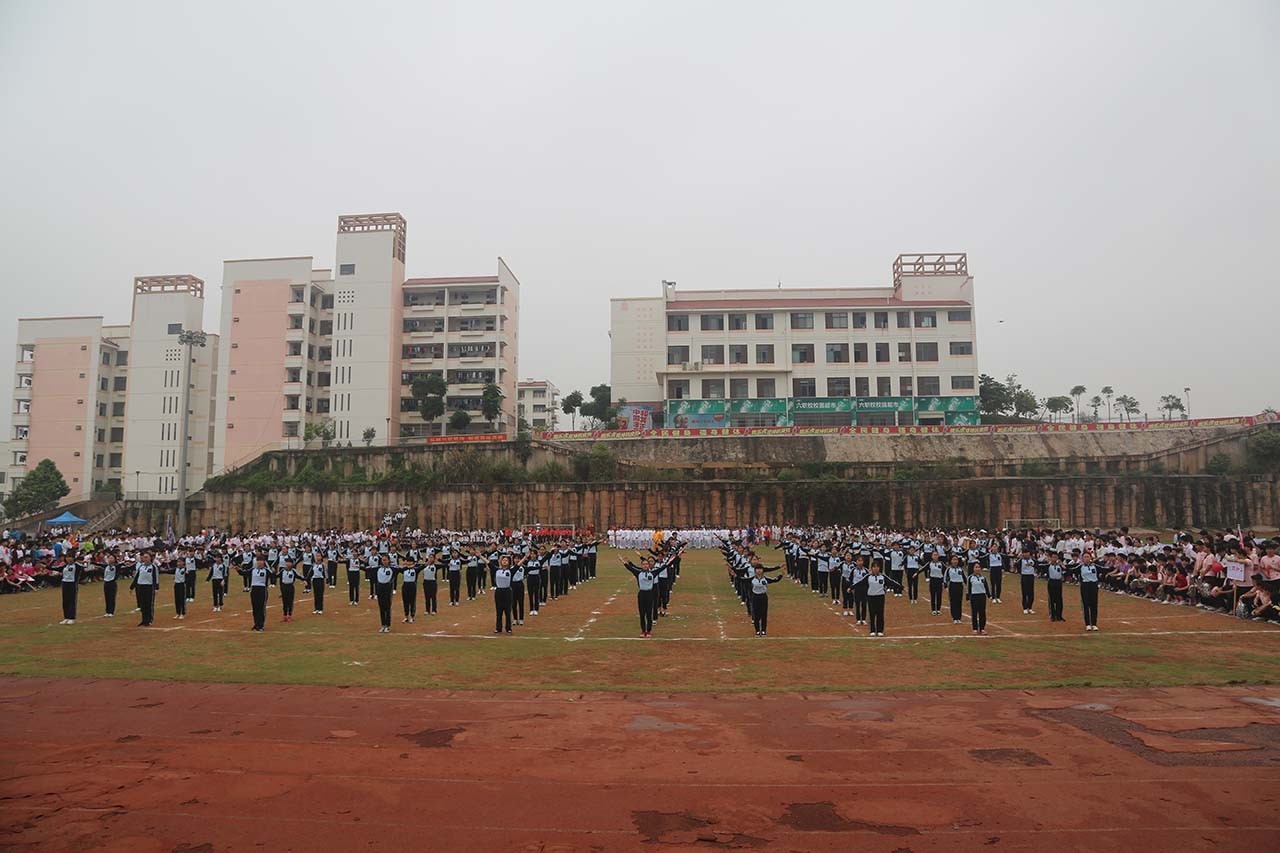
column 712, row 354
column 711, row 322
column 119, row 383
column 296, row 294
column 837, row 353
column 737, row 322
column 961, row 316
column 881, row 319
column 766, row 388
column 326, row 301
column 961, row 383
column 764, row 322
column 882, row 353
column 677, row 322
column 802, row 321
column 860, row 353
column 677, row 355
column 117, row 435
column 802, row 353
column 175, row 328
column 837, row 320
column 904, row 319
column 293, row 348
column 926, row 350
column 291, row 402
column 764, row 353
column 904, row 352
column 739, row 389
column 803, row 388
column 838, row 386
column 117, row 410
column 859, row 319
column 961, row 347
column 904, row 386
column 290, row 429
column 122, row 358
column 926, row 319
column 713, row 389
column 737, row 353
column 929, row 386
column 115, row 459
column 884, row 386
column 678, row 389
column 861, row 386
column 346, row 269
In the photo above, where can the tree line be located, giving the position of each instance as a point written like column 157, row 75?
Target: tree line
column 1010, row 399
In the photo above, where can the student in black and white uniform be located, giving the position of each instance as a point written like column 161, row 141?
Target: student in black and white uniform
column 72, row 575
column 109, row 582
column 384, row 581
column 502, row 595
column 646, row 580
column 533, row 578
column 1027, row 574
column 430, row 586
column 996, row 563
column 1053, row 570
column 455, row 576
column 936, row 573
column 955, row 588
column 977, row 591
column 1089, row 591
column 350, row 560
column 317, row 579
column 517, row 590
column 288, row 576
column 409, row 587
column 858, row 580
column 912, row 564
column 258, row 576
column 217, row 578
column 177, row 567
column 876, row 584
column 145, row 579
column 191, row 577
column 760, row 598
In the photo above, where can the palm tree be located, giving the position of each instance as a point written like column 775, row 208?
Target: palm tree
column 1078, row 392
column 1128, row 405
column 1108, row 392
column 1057, row 406
column 1095, row 403
column 1171, row 403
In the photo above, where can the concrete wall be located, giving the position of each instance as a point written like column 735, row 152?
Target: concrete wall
column 1152, row 501
column 1182, row 450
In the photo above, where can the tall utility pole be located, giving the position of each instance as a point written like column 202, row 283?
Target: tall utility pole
column 187, row 338
column 1187, row 391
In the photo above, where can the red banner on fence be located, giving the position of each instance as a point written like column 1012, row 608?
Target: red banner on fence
column 459, row 439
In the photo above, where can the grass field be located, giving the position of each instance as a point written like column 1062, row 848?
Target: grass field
column 589, row 641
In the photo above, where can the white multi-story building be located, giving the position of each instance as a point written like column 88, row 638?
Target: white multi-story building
column 539, row 403
column 103, row 402
column 899, row 355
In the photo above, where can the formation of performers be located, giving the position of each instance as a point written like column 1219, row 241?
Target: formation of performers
column 514, row 568
column 858, row 568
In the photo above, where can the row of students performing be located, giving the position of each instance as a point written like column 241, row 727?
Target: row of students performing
column 514, row 568
column 655, row 576
column 859, row 569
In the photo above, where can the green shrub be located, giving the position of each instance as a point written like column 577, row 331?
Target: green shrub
column 1219, row 464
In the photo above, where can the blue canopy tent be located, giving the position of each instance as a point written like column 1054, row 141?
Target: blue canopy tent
column 64, row 520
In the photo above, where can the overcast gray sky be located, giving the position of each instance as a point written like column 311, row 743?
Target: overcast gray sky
column 1110, row 167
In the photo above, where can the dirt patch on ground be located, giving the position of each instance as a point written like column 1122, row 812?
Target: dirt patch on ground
column 1009, row 757
column 823, row 817
column 433, row 738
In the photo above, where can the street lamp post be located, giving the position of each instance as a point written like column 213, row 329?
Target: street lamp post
column 1187, row 391
column 388, row 430
column 137, row 485
column 188, row 338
